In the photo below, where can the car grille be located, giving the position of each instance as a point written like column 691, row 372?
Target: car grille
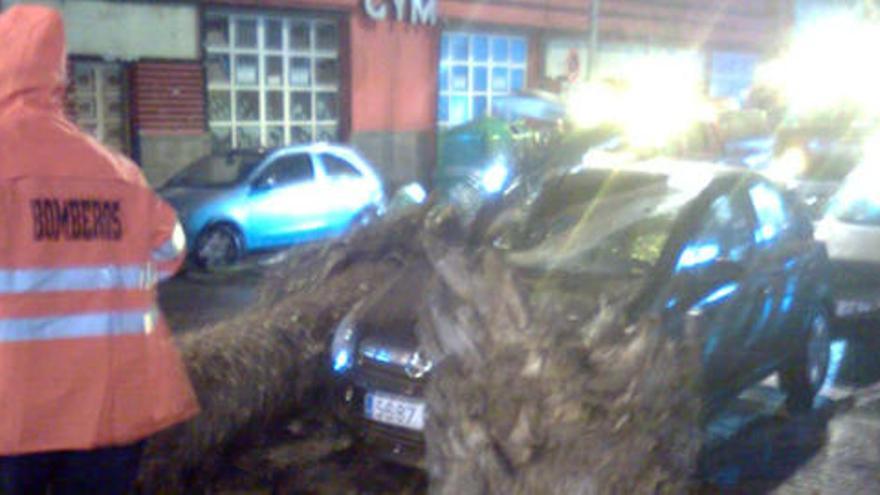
column 391, row 378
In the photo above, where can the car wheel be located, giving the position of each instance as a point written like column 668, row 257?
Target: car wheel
column 217, row 246
column 802, row 379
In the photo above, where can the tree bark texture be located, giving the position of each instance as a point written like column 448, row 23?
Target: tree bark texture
column 540, row 391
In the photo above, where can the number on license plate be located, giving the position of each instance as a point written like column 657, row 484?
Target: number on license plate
column 395, row 410
column 850, row 308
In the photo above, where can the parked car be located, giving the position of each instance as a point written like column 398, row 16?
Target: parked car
column 814, row 160
column 850, row 228
column 668, row 237
column 248, row 200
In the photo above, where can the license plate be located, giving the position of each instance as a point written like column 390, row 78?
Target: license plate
column 395, row 410
column 852, row 308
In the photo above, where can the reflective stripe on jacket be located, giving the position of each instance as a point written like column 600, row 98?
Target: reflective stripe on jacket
column 86, row 359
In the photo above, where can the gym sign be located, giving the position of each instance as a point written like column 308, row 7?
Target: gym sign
column 420, row 11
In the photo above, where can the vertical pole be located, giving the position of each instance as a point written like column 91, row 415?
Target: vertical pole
column 593, row 54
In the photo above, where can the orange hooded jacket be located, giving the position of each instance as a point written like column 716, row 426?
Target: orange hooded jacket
column 86, row 359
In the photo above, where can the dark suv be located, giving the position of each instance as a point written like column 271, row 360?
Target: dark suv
column 669, row 238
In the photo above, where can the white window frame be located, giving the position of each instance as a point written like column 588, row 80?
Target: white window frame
column 490, row 64
column 261, row 52
column 99, row 96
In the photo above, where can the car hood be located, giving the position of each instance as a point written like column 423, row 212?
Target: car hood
column 387, row 323
column 185, row 199
column 849, row 242
column 389, row 319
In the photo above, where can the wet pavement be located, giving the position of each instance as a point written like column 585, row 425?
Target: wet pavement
column 753, row 447
column 756, row 448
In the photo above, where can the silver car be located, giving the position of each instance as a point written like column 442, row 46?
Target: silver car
column 850, row 229
column 243, row 201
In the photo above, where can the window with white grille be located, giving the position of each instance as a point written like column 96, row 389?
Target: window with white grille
column 474, row 70
column 272, row 79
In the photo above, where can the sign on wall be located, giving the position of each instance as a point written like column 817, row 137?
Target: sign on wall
column 565, row 60
column 420, row 11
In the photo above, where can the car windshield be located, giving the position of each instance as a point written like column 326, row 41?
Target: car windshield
column 599, row 222
column 218, row 170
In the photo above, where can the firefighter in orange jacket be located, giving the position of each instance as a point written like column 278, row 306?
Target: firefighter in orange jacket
column 87, row 365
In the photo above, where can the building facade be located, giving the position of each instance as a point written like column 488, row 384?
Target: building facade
column 167, row 81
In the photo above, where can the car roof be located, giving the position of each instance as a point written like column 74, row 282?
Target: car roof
column 318, row 147
column 672, row 166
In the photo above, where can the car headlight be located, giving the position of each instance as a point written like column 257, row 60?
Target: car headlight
column 495, row 176
column 342, row 347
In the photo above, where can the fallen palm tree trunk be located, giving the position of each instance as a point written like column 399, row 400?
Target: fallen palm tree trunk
column 534, row 391
column 265, row 366
column 532, row 396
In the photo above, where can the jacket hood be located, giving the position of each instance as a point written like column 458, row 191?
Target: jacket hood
column 32, row 57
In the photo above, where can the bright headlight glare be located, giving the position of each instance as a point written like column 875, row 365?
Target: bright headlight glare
column 789, row 166
column 825, row 65
column 652, row 103
column 495, row 176
column 342, row 348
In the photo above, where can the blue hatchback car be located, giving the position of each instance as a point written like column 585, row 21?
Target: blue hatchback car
column 247, row 200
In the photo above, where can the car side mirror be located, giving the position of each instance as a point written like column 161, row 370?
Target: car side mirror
column 263, row 184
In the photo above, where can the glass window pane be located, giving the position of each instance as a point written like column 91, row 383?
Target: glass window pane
column 84, row 78
column 444, row 47
column 479, row 106
column 772, row 217
column 274, row 105
column 290, row 169
column 221, row 138
column 274, row 136
column 217, row 67
column 458, row 110
column 246, row 33
column 499, row 49
column 723, row 233
column 248, row 136
column 327, row 71
column 326, row 106
column 300, row 106
column 216, row 32
column 480, row 48
column 300, row 36
column 518, row 50
column 460, row 78
column 337, row 167
column 247, row 105
column 300, row 134
column 481, row 79
column 273, row 34
column 300, row 72
column 274, row 71
column 246, row 69
column 443, row 82
column 459, row 47
column 517, row 79
column 327, row 37
column 499, row 79
column 219, row 105
column 327, row 133
column 443, row 109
